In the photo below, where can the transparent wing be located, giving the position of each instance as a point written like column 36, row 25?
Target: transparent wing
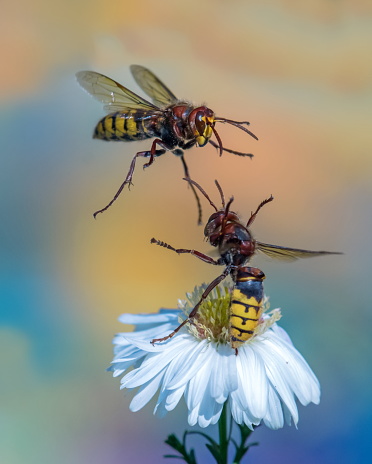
column 290, row 254
column 111, row 93
column 152, row 86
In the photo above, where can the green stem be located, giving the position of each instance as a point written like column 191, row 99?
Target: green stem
column 224, row 440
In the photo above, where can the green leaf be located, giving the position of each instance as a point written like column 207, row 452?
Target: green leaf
column 240, row 452
column 175, row 443
column 192, row 456
column 216, row 452
column 241, row 449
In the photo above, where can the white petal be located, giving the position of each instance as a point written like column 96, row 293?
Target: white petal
column 295, row 369
column 193, row 416
column 168, row 400
column 213, row 414
column 145, row 393
column 127, row 356
column 160, row 410
column 254, row 381
column 199, row 383
column 174, row 397
column 205, row 410
column 277, row 374
column 119, row 369
column 236, row 411
column 205, row 414
column 223, row 374
column 274, row 416
column 242, row 414
column 250, row 422
column 281, row 333
column 153, row 364
column 165, row 315
column 287, row 415
column 184, row 367
column 145, row 335
column 147, row 346
column 231, row 373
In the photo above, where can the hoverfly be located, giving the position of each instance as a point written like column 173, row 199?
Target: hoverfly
column 175, row 125
column 236, row 246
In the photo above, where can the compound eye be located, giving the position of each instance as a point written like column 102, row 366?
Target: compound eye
column 200, row 123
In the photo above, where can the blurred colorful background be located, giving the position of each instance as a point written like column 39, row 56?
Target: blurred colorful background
column 301, row 72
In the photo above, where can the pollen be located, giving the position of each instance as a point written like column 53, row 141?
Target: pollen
column 212, row 320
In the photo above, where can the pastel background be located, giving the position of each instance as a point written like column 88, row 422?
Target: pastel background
column 301, row 72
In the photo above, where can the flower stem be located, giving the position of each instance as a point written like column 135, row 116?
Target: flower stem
column 218, row 450
column 224, row 440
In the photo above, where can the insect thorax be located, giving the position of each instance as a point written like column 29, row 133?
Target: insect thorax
column 236, row 246
column 176, row 129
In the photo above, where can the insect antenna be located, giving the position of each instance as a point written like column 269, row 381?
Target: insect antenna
column 190, row 181
column 238, row 124
column 253, row 215
column 224, row 220
column 221, row 193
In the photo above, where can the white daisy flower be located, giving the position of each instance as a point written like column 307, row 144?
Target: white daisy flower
column 260, row 382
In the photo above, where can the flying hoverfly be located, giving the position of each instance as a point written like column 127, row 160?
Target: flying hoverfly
column 236, row 246
column 175, row 125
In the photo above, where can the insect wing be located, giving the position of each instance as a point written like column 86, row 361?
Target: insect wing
column 289, row 254
column 111, row 93
column 152, row 86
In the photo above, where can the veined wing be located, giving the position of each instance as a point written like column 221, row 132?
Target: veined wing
column 290, row 254
column 115, row 96
column 152, row 86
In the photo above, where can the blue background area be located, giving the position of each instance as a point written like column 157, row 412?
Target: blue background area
column 302, row 74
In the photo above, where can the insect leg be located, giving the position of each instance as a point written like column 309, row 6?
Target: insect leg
column 187, row 175
column 128, row 179
column 193, row 313
column 153, row 152
column 198, row 254
column 253, row 215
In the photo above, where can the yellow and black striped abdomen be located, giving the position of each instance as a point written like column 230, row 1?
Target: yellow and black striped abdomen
column 131, row 126
column 246, row 305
